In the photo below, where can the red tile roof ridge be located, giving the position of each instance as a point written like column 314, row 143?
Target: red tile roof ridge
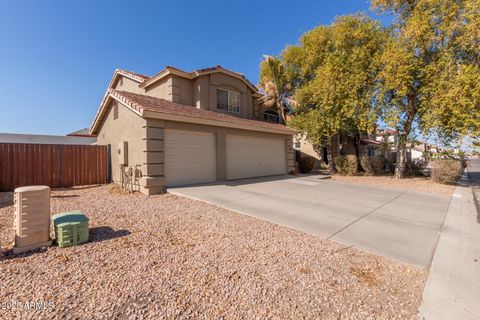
column 138, row 76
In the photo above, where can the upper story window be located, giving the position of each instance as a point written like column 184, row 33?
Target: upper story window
column 272, row 116
column 228, row 101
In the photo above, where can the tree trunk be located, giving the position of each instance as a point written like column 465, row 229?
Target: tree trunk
column 401, row 165
column 331, row 155
column 281, row 111
column 356, row 145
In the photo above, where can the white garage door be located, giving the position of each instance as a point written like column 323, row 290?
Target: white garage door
column 255, row 157
column 190, row 157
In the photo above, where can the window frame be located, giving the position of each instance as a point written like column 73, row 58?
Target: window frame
column 229, row 105
column 271, row 114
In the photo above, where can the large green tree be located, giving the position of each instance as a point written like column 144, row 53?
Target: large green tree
column 430, row 70
column 333, row 71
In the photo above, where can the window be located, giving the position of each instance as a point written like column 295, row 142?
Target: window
column 370, row 152
column 271, row 116
column 228, row 101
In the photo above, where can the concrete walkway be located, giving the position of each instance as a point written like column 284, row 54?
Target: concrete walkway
column 400, row 225
column 452, row 290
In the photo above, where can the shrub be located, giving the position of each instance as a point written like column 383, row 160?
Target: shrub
column 365, row 164
column 306, row 163
column 416, row 167
column 346, row 165
column 373, row 165
column 446, row 171
column 378, row 165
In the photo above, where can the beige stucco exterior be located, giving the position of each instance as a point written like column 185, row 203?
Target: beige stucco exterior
column 145, row 136
column 200, row 92
column 127, row 84
column 305, row 147
column 129, row 128
column 220, row 134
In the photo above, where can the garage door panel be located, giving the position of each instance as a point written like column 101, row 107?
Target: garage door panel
column 190, row 157
column 255, row 157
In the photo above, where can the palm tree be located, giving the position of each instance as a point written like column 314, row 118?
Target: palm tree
column 274, row 86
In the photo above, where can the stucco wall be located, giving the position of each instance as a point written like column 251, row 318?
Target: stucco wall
column 186, row 91
column 200, row 92
column 204, row 93
column 161, row 89
column 307, row 148
column 128, row 127
column 220, row 134
column 128, row 85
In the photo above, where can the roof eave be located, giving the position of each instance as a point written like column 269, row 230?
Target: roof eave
column 165, row 72
column 216, row 123
column 192, row 75
column 100, row 112
column 118, row 72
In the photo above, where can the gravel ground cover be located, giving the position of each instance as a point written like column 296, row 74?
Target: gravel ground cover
column 415, row 184
column 170, row 257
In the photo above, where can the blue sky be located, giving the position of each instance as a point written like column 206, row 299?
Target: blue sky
column 57, row 57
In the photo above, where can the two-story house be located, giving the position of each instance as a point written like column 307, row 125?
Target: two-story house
column 183, row 128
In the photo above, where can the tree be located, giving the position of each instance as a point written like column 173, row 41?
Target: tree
column 275, row 87
column 333, row 71
column 430, row 70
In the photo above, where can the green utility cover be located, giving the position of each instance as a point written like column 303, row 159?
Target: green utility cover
column 71, row 228
column 72, row 216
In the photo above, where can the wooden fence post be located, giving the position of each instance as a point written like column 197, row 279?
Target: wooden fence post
column 109, row 164
column 59, row 164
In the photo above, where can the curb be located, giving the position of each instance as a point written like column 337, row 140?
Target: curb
column 477, row 203
column 451, row 290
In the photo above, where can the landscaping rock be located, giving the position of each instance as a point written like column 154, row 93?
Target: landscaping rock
column 170, row 257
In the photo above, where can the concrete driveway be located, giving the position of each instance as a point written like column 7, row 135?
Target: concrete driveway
column 396, row 224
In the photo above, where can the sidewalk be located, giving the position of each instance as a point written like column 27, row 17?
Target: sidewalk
column 452, row 290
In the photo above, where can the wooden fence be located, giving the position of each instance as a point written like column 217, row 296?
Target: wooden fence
column 52, row 165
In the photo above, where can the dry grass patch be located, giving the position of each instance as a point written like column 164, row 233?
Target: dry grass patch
column 416, row 184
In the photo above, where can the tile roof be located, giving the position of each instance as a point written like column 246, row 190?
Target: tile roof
column 137, row 76
column 81, row 133
column 129, row 74
column 369, row 141
column 196, row 73
column 142, row 103
column 219, row 67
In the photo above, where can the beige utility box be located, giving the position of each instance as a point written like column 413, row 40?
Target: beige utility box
column 32, row 218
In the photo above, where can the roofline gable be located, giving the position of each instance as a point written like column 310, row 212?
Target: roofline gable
column 140, row 111
column 127, row 74
column 169, row 70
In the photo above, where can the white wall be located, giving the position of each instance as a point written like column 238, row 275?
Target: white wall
column 44, row 139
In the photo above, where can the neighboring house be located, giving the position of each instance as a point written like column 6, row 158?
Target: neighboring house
column 417, row 151
column 389, row 138
column 81, row 133
column 305, row 147
column 342, row 144
column 370, row 147
column 185, row 128
column 45, row 139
